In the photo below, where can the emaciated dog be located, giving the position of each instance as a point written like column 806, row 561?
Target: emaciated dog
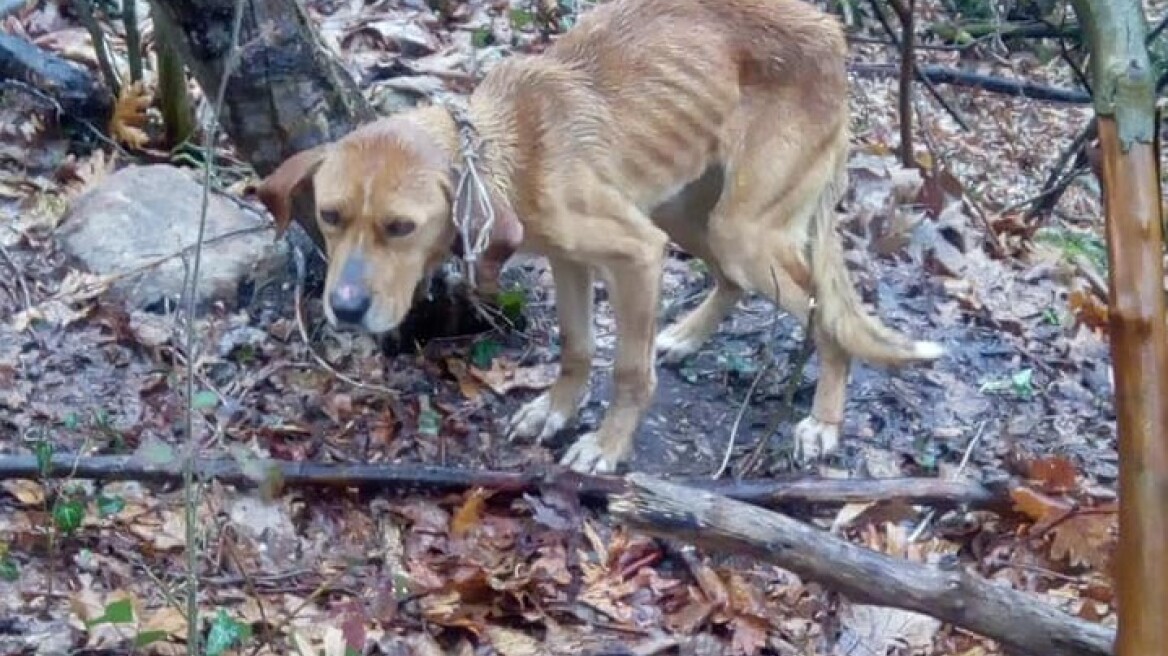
column 719, row 124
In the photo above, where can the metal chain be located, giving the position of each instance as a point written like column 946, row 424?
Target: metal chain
column 470, row 194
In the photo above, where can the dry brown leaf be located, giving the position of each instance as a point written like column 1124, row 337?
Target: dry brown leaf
column 470, row 513
column 1085, row 539
column 28, row 493
column 1036, row 505
column 128, row 122
column 1054, row 475
column 1088, row 309
column 167, row 619
column 503, row 376
column 509, row 642
column 470, row 388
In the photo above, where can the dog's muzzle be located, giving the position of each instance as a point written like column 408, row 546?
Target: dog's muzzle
column 350, row 298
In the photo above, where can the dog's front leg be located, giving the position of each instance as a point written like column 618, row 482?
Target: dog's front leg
column 634, row 291
column 554, row 409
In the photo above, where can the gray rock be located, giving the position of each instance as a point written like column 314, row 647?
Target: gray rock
column 143, row 214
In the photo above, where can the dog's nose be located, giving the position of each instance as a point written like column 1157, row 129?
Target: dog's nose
column 350, row 303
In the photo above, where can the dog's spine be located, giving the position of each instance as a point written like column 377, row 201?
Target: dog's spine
column 839, row 312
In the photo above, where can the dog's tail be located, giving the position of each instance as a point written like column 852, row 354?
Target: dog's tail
column 838, row 310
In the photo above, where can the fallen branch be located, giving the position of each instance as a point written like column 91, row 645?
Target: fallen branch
column 75, row 91
column 961, row 33
column 421, row 478
column 991, row 83
column 1016, row 619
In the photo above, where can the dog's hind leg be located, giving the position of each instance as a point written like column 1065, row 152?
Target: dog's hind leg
column 548, row 413
column 685, row 218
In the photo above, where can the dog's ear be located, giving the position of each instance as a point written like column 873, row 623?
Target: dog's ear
column 275, row 191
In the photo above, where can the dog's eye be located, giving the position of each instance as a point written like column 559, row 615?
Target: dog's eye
column 330, row 217
column 399, row 228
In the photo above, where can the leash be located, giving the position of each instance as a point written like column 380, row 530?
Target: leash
column 471, row 197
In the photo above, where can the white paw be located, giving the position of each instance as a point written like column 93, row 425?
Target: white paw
column 673, row 345
column 815, row 438
column 587, row 457
column 536, row 419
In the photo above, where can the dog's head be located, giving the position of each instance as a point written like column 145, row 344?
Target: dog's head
column 384, row 196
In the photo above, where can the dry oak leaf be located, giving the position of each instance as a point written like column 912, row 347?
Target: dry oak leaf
column 1085, row 539
column 129, row 117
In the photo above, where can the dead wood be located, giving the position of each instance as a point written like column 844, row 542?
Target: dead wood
column 991, row 83
column 789, row 494
column 75, row 91
column 1017, row 620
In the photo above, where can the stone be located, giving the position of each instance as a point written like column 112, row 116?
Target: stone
column 136, row 223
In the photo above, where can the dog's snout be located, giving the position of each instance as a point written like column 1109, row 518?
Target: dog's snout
column 350, row 303
column 351, row 298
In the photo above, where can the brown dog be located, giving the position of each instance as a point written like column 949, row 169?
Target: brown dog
column 722, row 124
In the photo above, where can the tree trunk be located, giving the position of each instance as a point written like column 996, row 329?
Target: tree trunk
column 292, row 95
column 1125, row 93
column 289, row 94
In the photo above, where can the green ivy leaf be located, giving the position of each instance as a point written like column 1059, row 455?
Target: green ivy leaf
column 225, row 633
column 44, row 456
column 9, row 570
column 511, row 303
column 429, row 421
column 67, row 515
column 109, row 505
column 149, row 637
column 117, row 612
column 521, row 18
column 483, row 352
column 481, row 38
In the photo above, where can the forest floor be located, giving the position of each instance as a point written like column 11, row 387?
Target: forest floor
column 1024, row 390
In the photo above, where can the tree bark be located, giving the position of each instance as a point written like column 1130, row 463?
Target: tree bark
column 1125, row 95
column 288, row 93
column 1016, row 619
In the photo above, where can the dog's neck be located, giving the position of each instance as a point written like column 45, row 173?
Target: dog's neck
column 493, row 150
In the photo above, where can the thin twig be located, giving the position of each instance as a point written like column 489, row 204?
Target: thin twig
column 190, row 492
column 916, row 534
column 788, row 407
column 768, row 362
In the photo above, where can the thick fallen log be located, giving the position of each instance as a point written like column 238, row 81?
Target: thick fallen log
column 78, row 93
column 790, row 494
column 991, row 83
column 1017, row 620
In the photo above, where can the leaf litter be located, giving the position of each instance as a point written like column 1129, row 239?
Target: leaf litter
column 330, row 573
